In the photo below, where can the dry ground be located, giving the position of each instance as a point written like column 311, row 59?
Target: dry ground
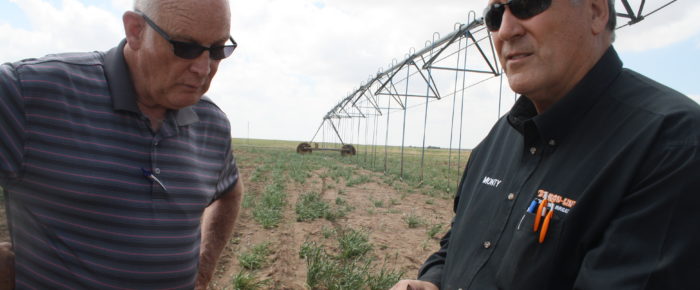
column 402, row 248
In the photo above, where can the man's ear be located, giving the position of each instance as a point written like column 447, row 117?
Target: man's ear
column 134, row 27
column 599, row 15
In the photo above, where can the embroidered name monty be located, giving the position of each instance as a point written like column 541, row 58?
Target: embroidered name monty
column 491, row 181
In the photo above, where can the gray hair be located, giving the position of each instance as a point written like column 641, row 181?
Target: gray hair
column 612, row 20
column 149, row 7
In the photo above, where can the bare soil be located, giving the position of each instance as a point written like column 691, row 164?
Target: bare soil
column 402, row 248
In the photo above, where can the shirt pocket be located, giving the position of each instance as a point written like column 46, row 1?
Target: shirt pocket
column 526, row 261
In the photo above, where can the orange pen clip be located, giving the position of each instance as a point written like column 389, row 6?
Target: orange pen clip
column 545, row 224
column 540, row 213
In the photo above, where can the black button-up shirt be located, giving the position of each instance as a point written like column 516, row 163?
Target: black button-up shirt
column 617, row 159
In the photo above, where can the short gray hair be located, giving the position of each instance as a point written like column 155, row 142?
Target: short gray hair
column 612, row 20
column 146, row 6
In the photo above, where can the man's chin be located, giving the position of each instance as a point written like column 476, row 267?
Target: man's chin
column 185, row 100
column 519, row 83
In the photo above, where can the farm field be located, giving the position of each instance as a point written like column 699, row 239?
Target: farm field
column 323, row 221
column 338, row 225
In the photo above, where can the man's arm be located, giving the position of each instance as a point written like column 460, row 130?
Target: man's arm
column 217, row 225
column 7, row 266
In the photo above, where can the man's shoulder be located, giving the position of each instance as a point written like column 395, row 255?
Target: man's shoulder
column 207, row 103
column 67, row 59
column 206, row 108
column 640, row 92
column 674, row 117
column 85, row 65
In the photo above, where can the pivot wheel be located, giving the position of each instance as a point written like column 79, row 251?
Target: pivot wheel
column 347, row 150
column 304, row 148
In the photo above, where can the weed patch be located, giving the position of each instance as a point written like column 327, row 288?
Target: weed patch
column 413, row 221
column 326, row 271
column 310, row 207
column 247, row 281
column 268, row 211
column 256, row 258
column 353, row 243
column 434, row 230
column 357, row 180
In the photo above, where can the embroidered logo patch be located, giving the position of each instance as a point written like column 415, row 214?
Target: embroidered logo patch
column 561, row 204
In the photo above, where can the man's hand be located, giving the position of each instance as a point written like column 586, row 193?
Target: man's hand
column 414, row 285
column 7, row 266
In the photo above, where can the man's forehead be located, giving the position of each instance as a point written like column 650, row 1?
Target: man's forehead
column 198, row 24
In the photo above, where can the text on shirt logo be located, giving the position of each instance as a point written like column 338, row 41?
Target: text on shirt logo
column 491, row 181
column 562, row 204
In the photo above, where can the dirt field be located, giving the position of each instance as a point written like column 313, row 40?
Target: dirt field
column 382, row 209
column 378, row 208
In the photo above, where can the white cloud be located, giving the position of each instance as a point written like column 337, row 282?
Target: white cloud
column 122, row 5
column 298, row 58
column 673, row 24
column 71, row 27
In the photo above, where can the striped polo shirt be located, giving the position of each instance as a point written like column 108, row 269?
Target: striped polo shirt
column 77, row 161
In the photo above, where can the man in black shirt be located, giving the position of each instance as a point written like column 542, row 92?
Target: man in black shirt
column 592, row 179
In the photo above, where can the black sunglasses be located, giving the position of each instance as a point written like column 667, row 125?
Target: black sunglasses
column 522, row 9
column 191, row 50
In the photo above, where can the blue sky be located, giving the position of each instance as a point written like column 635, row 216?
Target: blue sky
column 298, row 58
column 677, row 66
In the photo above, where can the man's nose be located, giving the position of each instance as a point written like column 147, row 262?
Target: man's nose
column 202, row 64
column 511, row 26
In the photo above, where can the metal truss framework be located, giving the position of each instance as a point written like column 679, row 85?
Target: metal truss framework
column 391, row 86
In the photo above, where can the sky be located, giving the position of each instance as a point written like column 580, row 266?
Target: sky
column 298, row 58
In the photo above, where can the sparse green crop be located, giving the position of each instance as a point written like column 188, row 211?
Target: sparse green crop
column 256, row 258
column 413, row 220
column 247, row 281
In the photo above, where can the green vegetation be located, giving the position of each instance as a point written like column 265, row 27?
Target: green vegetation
column 352, row 269
column 247, row 281
column 437, row 179
column 353, row 243
column 256, row 258
column 310, row 207
column 268, row 211
column 327, row 232
column 434, row 230
column 413, row 220
column 357, row 180
column 351, row 261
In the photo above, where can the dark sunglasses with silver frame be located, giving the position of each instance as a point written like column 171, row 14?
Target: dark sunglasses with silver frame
column 191, row 50
column 522, row 9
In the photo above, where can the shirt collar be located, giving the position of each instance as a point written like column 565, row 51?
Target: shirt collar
column 122, row 88
column 563, row 115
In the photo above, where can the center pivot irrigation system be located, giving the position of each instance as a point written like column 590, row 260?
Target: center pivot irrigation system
column 446, row 67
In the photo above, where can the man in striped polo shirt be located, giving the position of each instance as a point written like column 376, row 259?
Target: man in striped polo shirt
column 118, row 173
